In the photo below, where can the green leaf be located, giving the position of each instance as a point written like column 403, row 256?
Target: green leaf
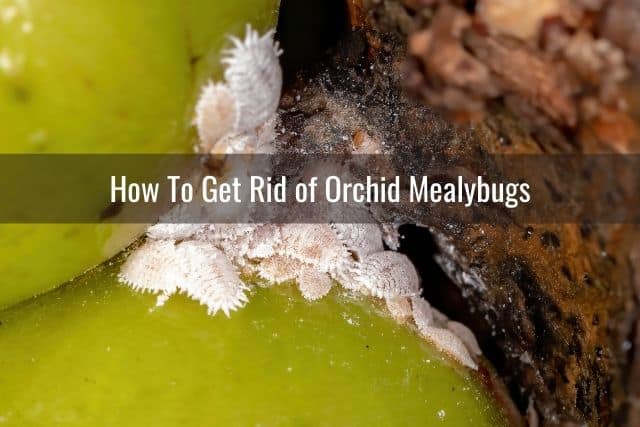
column 95, row 353
column 101, row 77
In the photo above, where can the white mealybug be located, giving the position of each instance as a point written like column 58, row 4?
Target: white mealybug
column 255, row 78
column 205, row 261
column 388, row 274
column 152, row 268
column 216, row 114
column 451, row 344
column 200, row 270
column 210, row 278
column 465, row 335
column 400, row 308
column 238, row 115
column 428, row 321
column 360, row 239
column 203, row 264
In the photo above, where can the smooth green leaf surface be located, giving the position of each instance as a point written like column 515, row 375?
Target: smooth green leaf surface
column 94, row 353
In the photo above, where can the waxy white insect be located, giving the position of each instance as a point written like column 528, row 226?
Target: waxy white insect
column 238, row 115
column 206, row 261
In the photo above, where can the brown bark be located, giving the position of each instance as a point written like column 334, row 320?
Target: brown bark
column 554, row 302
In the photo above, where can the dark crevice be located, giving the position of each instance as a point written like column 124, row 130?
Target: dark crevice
column 418, row 244
column 112, row 210
column 307, row 30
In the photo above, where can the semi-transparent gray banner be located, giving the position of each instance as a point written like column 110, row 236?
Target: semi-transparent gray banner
column 314, row 188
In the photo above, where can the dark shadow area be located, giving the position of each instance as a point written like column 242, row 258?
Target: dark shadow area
column 307, row 29
column 440, row 291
